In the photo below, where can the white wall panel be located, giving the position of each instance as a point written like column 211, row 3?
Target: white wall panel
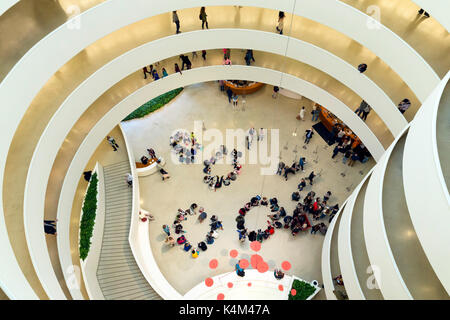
column 426, row 192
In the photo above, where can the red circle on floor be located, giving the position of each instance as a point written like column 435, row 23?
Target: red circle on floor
column 209, row 282
column 286, row 265
column 220, row 296
column 243, row 263
column 293, row 292
column 280, row 287
column 249, row 284
column 213, row 263
column 233, row 253
column 230, row 285
column 255, row 246
column 263, row 266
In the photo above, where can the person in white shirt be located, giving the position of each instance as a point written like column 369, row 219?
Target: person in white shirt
column 302, row 113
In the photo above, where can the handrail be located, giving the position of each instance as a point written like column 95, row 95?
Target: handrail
column 151, row 90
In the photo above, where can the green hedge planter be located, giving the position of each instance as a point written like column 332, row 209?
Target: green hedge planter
column 88, row 219
column 153, row 105
column 304, row 290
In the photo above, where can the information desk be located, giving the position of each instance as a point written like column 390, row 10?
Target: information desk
column 149, row 168
column 240, row 90
column 329, row 120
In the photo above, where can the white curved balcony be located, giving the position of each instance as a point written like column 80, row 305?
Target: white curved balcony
column 409, row 256
column 367, row 280
column 430, row 145
column 330, row 257
column 6, row 5
column 192, row 76
column 389, row 279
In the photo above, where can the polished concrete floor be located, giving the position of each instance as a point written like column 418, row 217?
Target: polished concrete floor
column 44, row 105
column 32, row 20
column 410, row 258
column 206, row 102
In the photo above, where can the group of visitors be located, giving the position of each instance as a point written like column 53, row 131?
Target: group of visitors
column 315, row 206
column 181, row 216
column 185, row 145
column 252, row 135
column 214, row 182
column 352, row 152
column 202, row 16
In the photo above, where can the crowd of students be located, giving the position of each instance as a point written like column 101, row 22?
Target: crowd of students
column 298, row 221
column 182, row 215
column 284, row 170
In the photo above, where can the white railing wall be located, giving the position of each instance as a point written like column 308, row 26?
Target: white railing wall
column 90, row 264
column 140, row 241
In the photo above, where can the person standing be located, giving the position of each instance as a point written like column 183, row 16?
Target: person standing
column 112, row 142
column 347, row 155
column 309, row 134
column 404, row 105
column 361, row 107
column 176, row 21
column 302, row 113
column 222, row 85
column 275, row 92
column 335, row 151
column 194, row 55
column 280, row 25
column 202, row 17
column 301, row 163
column 261, row 134
column 229, row 94
column 50, row 227
column 164, row 73
column 235, row 100
column 204, row 54
column 166, row 229
column 129, row 178
column 421, row 11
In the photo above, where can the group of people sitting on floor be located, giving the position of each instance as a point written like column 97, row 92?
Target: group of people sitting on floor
column 317, row 207
column 182, row 215
column 185, row 146
column 296, row 222
column 285, row 170
column 214, row 182
column 352, row 150
column 145, row 160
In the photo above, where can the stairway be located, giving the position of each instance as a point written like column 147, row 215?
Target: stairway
column 118, row 274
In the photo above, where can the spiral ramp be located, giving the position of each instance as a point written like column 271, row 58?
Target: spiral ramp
column 59, row 102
